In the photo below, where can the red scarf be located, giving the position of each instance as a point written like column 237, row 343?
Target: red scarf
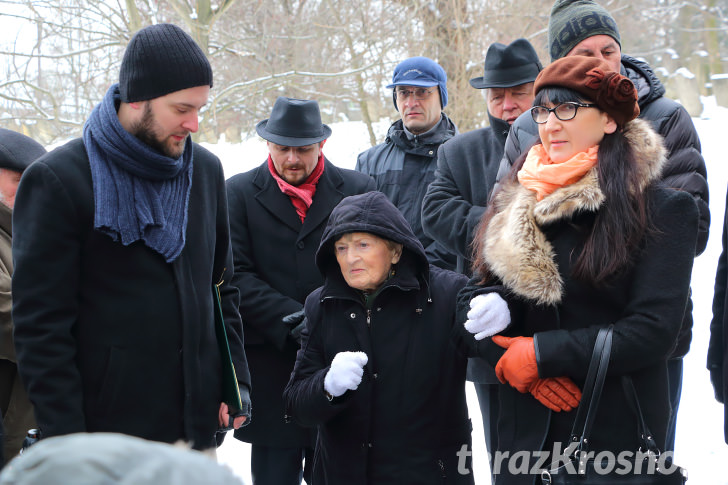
column 301, row 196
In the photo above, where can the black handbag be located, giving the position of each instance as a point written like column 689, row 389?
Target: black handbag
column 645, row 466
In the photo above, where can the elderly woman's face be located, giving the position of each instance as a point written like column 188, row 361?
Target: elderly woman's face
column 365, row 259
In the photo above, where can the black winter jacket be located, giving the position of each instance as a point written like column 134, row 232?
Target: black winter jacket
column 275, row 271
column 685, row 168
column 718, row 347
column 112, row 337
column 408, row 418
column 403, row 169
column 530, row 247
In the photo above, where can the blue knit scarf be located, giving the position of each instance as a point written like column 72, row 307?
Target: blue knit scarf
column 140, row 194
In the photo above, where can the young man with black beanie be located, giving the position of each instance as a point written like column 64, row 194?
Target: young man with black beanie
column 583, row 27
column 120, row 237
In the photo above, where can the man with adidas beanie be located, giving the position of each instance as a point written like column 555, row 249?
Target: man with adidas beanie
column 119, row 239
column 583, row 27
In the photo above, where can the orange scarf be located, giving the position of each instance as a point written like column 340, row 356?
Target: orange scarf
column 302, row 195
column 543, row 176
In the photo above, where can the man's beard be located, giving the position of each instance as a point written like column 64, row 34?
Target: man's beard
column 145, row 130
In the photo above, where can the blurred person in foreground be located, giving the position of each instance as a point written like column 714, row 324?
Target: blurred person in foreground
column 118, row 239
column 585, row 28
column 581, row 235
column 278, row 212
column 105, row 458
column 404, row 164
column 17, row 152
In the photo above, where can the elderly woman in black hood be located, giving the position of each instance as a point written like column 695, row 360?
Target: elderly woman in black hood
column 381, row 370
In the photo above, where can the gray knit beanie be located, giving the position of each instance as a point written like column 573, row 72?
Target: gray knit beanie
column 572, row 21
column 161, row 59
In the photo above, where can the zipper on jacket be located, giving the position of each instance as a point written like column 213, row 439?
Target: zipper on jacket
column 369, row 318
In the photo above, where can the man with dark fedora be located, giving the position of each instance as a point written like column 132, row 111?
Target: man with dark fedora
column 17, row 152
column 278, row 212
column 586, row 28
column 118, row 240
column 466, row 171
column 404, row 164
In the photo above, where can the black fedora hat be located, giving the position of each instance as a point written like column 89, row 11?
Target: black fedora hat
column 508, row 65
column 294, row 123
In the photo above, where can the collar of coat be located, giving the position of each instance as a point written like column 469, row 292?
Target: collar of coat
column 516, row 249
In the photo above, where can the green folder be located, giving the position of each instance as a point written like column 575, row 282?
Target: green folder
column 230, row 390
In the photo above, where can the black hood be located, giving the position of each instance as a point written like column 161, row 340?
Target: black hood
column 371, row 212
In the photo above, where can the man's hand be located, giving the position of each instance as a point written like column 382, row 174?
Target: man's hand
column 296, row 322
column 238, row 422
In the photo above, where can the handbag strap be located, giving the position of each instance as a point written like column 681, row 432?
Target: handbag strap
column 646, row 438
column 593, row 386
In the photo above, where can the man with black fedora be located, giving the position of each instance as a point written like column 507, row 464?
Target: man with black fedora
column 466, row 169
column 278, row 212
column 119, row 238
column 17, row 152
column 586, row 28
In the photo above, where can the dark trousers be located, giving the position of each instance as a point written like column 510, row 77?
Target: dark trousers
column 674, row 380
column 270, row 465
column 489, row 407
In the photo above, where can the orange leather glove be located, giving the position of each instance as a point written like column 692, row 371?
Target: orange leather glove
column 518, row 365
column 556, row 393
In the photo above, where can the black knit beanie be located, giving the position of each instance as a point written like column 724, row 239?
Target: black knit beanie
column 572, row 21
column 161, row 59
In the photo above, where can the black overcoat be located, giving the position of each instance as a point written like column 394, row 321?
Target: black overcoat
column 408, row 419
column 275, row 270
column 531, row 248
column 112, row 337
column 718, row 347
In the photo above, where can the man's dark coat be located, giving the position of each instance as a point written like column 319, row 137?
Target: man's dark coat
column 275, row 271
column 112, row 337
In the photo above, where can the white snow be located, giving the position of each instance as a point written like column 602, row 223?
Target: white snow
column 685, row 72
column 699, row 445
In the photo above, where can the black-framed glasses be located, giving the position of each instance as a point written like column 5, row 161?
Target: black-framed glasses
column 563, row 111
column 420, row 94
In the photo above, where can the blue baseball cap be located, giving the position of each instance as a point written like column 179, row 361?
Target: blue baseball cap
column 420, row 71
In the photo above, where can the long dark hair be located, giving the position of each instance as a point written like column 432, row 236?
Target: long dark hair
column 619, row 225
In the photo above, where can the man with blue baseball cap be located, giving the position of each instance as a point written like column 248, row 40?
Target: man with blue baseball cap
column 404, row 165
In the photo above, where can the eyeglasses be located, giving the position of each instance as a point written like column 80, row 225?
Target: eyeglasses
column 420, row 94
column 563, row 111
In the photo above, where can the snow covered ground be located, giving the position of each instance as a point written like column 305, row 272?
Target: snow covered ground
column 699, row 444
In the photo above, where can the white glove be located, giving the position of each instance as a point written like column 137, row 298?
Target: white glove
column 345, row 373
column 488, row 316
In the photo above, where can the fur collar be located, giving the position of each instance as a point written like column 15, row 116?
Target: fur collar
column 517, row 251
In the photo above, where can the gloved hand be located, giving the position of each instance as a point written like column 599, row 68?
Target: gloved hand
column 247, row 407
column 488, row 316
column 345, row 372
column 716, row 378
column 556, row 393
column 518, row 365
column 296, row 322
column 228, row 422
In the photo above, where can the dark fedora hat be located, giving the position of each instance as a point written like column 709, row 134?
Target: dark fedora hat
column 294, row 123
column 508, row 65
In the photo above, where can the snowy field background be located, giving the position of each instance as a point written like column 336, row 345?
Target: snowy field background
column 699, row 444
